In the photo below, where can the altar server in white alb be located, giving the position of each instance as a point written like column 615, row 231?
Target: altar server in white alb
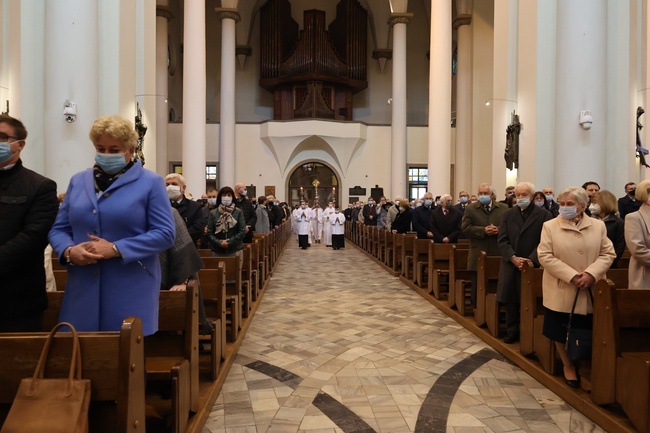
column 317, row 222
column 337, row 221
column 302, row 219
column 326, row 223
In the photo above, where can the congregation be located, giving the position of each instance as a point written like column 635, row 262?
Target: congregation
column 118, row 224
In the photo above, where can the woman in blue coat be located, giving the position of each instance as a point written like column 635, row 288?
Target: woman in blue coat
column 112, row 224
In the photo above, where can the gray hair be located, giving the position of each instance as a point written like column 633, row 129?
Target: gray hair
column 579, row 193
column 445, row 197
column 529, row 185
column 492, row 190
column 172, row 176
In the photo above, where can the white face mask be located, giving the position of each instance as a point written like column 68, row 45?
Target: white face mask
column 244, row 192
column 594, row 209
column 212, row 201
column 173, row 192
column 226, row 201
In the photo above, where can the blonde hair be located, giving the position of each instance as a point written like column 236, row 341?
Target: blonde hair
column 116, row 127
column 642, row 191
column 606, row 200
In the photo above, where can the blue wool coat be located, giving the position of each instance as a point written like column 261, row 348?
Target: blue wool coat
column 134, row 213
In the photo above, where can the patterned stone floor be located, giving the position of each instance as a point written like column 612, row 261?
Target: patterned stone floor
column 338, row 345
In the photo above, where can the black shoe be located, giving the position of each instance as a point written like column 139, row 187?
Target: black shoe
column 573, row 383
column 511, row 338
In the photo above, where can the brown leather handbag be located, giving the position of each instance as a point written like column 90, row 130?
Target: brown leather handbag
column 51, row 405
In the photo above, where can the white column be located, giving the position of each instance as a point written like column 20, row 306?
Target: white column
column 581, row 85
column 463, row 161
column 229, row 18
column 440, row 97
column 194, row 97
column 398, row 183
column 162, row 16
column 145, row 85
column 504, row 90
column 70, row 74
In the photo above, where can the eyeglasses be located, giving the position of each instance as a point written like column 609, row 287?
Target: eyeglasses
column 5, row 137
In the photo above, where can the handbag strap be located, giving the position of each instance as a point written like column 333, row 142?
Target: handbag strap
column 75, row 360
column 575, row 300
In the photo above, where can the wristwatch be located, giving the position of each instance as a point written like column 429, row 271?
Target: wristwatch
column 116, row 250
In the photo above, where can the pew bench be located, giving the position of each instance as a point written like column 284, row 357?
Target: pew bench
column 213, row 289
column 459, row 281
column 531, row 322
column 420, row 262
column 113, row 361
column 235, row 299
column 172, row 353
column 408, row 240
column 487, row 280
column 620, row 365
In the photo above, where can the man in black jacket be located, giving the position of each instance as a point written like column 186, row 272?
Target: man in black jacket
column 247, row 208
column 275, row 212
column 190, row 211
column 628, row 203
column 445, row 221
column 28, row 207
column 422, row 218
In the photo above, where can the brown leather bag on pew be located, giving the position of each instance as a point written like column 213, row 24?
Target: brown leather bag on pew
column 51, row 405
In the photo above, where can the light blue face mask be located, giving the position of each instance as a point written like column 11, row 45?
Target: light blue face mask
column 110, row 162
column 5, row 152
column 484, row 199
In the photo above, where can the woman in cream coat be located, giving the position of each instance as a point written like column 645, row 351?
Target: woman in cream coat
column 575, row 253
column 637, row 238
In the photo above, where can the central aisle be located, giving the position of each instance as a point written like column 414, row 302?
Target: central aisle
column 338, row 345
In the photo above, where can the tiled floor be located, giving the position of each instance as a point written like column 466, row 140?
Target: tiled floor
column 338, row 345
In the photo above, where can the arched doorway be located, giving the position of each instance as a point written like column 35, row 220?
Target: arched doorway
column 313, row 181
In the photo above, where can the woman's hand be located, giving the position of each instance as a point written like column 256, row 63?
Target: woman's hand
column 79, row 256
column 583, row 280
column 178, row 288
column 100, row 247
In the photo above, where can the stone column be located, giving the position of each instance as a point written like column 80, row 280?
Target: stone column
column 70, row 74
column 163, row 15
column 581, row 84
column 439, row 159
column 398, row 106
column 227, row 161
column 463, row 162
column 194, row 98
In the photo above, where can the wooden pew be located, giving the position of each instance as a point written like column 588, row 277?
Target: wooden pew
column 247, row 287
column 487, row 279
column 176, row 347
column 420, row 261
column 381, row 245
column 389, row 253
column 620, row 366
column 113, row 361
column 255, row 269
column 213, row 289
column 408, row 241
column 459, row 280
column 438, row 257
column 531, row 339
column 234, row 297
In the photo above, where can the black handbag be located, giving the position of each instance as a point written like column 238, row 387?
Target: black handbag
column 578, row 341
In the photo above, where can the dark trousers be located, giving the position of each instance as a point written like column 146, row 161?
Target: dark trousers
column 474, row 281
column 303, row 241
column 338, row 241
column 248, row 237
column 512, row 318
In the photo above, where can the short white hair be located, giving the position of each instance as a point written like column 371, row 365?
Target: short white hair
column 492, row 190
column 529, row 185
column 579, row 193
column 175, row 176
column 445, row 197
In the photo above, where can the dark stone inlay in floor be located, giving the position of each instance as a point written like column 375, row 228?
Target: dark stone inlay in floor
column 340, row 415
column 280, row 374
column 434, row 412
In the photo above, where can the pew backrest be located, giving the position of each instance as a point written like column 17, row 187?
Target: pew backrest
column 113, row 361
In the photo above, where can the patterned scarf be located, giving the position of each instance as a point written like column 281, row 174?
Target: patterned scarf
column 104, row 180
column 226, row 221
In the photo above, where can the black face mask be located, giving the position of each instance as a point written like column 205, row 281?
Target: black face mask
column 632, row 193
